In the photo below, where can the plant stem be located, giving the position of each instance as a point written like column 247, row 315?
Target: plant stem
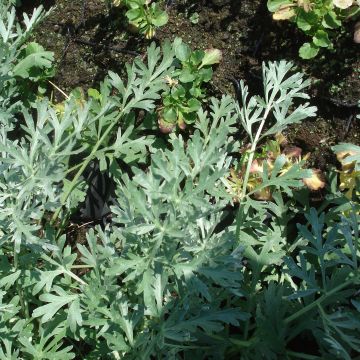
column 244, row 189
column 83, row 167
column 250, row 161
column 238, row 342
column 302, row 355
column 322, row 298
column 82, row 267
column 75, row 277
column 23, row 302
column 252, row 151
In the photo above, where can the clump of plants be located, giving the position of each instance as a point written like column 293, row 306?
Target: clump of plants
column 178, row 271
column 24, row 66
column 318, row 19
column 349, row 157
column 144, row 16
column 275, row 155
column 182, row 99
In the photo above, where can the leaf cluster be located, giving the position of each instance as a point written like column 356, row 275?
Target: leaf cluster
column 176, row 273
column 319, row 19
column 143, row 16
column 182, row 100
column 22, row 64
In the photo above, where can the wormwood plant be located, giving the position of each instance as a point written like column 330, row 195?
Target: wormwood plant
column 167, row 278
column 293, row 280
column 37, row 172
column 20, row 61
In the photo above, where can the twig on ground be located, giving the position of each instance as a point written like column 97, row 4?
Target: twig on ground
column 112, row 48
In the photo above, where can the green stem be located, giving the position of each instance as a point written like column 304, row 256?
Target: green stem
column 302, row 355
column 250, row 161
column 252, row 153
column 23, row 302
column 244, row 189
column 70, row 170
column 83, row 167
column 75, row 277
column 317, row 302
column 238, row 342
column 82, row 267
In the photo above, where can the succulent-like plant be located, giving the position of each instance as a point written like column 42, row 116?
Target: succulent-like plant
column 144, row 16
column 318, row 19
column 182, row 99
column 264, row 161
column 349, row 157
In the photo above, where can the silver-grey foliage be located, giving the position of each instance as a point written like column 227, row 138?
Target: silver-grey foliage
column 173, row 275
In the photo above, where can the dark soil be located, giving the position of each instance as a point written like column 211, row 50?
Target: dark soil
column 88, row 41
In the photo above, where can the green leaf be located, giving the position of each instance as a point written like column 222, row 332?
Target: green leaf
column 331, row 20
column 77, row 196
column 55, row 303
column 186, row 76
column 95, row 94
column 212, row 56
column 273, row 5
column 182, row 51
column 210, row 322
column 194, row 105
column 321, row 39
column 134, row 14
column 205, row 74
column 46, row 280
column 170, row 114
column 34, row 57
column 308, row 51
column 74, row 318
column 9, row 280
column 196, row 57
column 306, row 20
column 160, row 19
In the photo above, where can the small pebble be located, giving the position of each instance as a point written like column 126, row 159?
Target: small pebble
column 225, row 36
column 357, row 33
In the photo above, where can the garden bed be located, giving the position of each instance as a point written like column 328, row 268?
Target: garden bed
column 88, row 42
column 155, row 206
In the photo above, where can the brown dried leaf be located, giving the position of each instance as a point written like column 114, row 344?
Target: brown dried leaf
column 316, row 181
column 357, row 33
column 285, row 12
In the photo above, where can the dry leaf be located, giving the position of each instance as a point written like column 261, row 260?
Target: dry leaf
column 117, row 3
column 305, row 4
column 256, row 167
column 348, row 181
column 281, row 139
column 285, row 12
column 263, row 194
column 292, row 152
column 316, row 181
column 341, row 155
column 357, row 33
column 343, row 4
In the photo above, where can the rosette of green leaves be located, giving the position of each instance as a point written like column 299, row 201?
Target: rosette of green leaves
column 182, row 99
column 144, row 17
column 318, row 19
